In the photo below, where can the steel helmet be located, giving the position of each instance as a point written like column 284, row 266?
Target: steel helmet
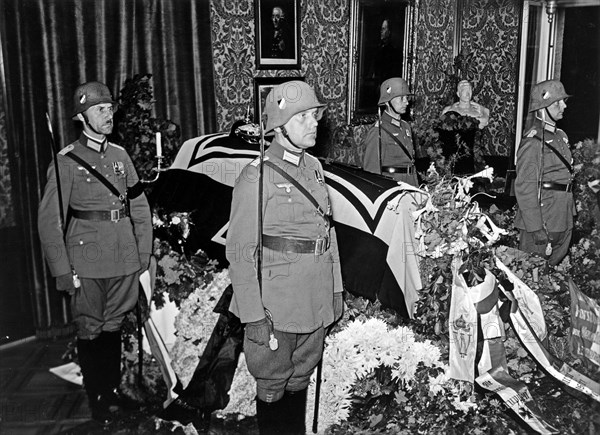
column 89, row 94
column 286, row 100
column 546, row 93
column 391, row 88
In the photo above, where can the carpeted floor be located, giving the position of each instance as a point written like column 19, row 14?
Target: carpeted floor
column 33, row 401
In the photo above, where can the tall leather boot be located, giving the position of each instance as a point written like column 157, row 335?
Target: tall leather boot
column 295, row 402
column 92, row 380
column 271, row 417
column 111, row 356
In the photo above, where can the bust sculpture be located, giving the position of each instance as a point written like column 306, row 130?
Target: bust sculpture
column 466, row 107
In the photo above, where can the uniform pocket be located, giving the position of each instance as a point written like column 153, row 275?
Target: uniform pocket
column 274, row 271
column 84, row 246
column 83, row 238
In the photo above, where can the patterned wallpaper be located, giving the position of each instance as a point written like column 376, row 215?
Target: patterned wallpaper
column 7, row 218
column 324, row 65
column 490, row 31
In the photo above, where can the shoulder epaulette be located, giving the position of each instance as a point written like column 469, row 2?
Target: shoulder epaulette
column 532, row 133
column 116, row 146
column 66, row 149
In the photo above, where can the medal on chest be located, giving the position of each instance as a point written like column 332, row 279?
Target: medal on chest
column 119, row 169
column 319, row 178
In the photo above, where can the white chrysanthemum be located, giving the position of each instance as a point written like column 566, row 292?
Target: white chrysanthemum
column 439, row 384
column 242, row 392
column 354, row 353
column 194, row 325
column 156, row 222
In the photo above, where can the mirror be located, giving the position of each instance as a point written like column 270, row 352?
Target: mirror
column 381, row 46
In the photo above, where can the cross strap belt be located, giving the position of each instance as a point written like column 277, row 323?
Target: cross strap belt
column 409, row 169
column 101, row 215
column 400, row 144
column 296, row 246
column 551, row 185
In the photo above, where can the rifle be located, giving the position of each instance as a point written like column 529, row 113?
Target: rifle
column 379, row 137
column 76, row 281
column 273, row 344
column 548, row 251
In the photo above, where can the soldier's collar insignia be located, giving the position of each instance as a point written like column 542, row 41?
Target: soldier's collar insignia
column 291, row 157
column 395, row 122
column 550, row 127
column 95, row 144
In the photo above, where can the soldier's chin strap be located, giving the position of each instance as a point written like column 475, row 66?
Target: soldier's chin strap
column 87, row 122
column 289, row 139
column 549, row 115
column 390, row 106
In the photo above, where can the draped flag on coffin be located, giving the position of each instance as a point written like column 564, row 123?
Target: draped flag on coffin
column 376, row 242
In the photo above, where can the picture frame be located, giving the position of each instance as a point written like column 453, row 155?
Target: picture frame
column 277, row 49
column 262, row 87
column 373, row 60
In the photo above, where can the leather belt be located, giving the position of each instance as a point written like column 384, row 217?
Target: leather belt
column 298, row 246
column 101, row 215
column 551, row 185
column 398, row 169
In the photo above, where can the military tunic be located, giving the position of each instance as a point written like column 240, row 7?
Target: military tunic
column 297, row 288
column 392, row 155
column 105, row 254
column 556, row 209
column 96, row 249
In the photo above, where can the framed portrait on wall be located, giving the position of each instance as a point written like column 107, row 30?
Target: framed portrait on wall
column 277, row 34
column 262, row 87
column 380, row 48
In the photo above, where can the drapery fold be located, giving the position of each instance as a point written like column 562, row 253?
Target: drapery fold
column 50, row 46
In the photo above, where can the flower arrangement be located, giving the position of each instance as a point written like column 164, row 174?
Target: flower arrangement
column 137, row 128
column 195, row 323
column 178, row 273
column 355, row 358
column 585, row 252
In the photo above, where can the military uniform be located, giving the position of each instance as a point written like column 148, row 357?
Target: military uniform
column 298, row 287
column 395, row 162
column 98, row 248
column 556, row 209
column 103, row 244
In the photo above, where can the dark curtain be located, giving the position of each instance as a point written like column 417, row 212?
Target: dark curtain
column 49, row 47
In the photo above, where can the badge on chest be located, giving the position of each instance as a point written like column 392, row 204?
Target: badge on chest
column 119, row 169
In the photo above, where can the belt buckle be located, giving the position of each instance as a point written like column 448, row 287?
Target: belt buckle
column 115, row 215
column 321, row 245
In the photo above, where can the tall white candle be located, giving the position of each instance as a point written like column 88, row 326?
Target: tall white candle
column 158, row 145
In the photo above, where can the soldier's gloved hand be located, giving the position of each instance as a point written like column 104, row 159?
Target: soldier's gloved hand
column 145, row 261
column 540, row 237
column 258, row 332
column 338, row 306
column 64, row 283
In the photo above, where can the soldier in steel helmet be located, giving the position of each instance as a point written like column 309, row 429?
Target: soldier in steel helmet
column 543, row 186
column 288, row 303
column 108, row 242
column 388, row 144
